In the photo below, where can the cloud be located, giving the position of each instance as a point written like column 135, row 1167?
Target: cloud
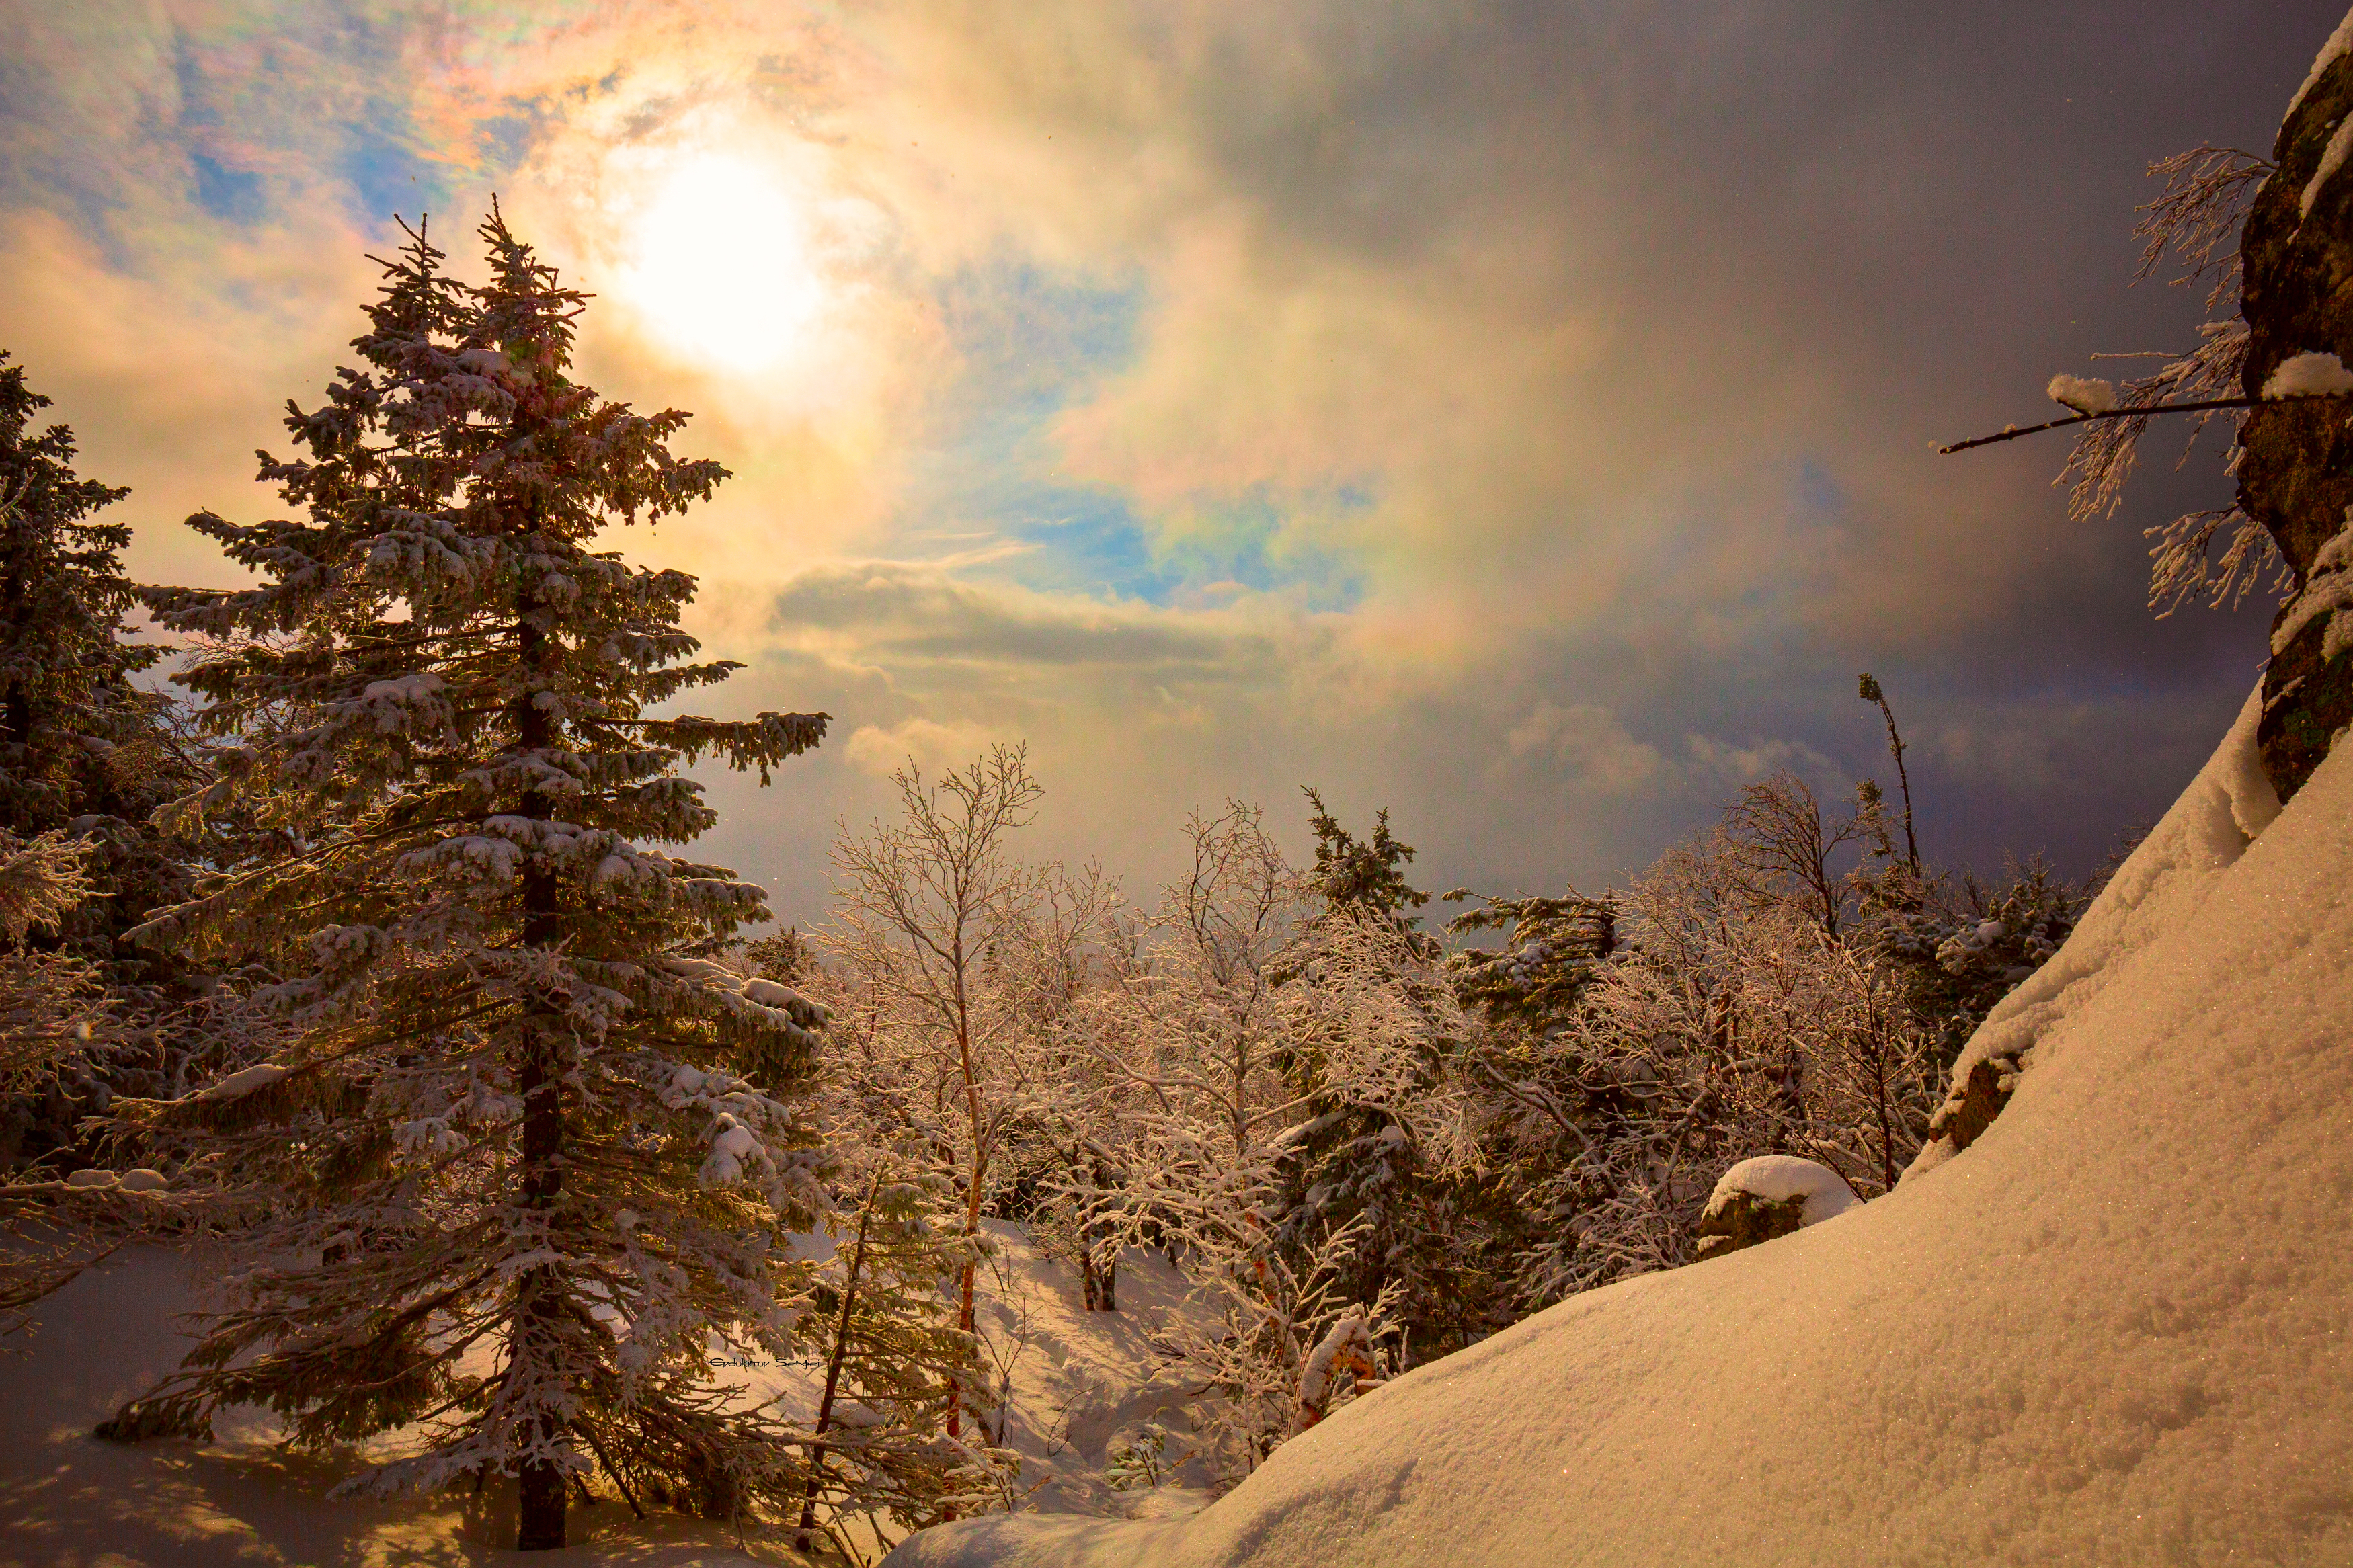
column 1709, row 761
column 1596, row 749
column 920, row 613
column 926, row 742
column 1596, row 755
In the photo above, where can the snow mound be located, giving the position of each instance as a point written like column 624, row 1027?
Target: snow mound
column 2112, row 1331
column 1778, row 1178
column 2311, row 374
column 2160, row 885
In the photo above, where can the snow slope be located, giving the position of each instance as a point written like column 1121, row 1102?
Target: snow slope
column 2113, row 1330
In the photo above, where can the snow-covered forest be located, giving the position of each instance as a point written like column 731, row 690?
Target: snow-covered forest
column 528, row 1186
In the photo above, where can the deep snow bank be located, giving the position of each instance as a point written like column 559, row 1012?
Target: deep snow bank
column 2113, row 1330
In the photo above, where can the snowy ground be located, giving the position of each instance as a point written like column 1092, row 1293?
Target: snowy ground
column 1079, row 1380
column 2113, row 1330
column 1083, row 1381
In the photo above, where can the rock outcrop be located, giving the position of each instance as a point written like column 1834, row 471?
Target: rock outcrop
column 2295, row 475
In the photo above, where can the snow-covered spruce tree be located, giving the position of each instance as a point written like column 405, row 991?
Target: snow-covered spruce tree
column 84, row 753
column 521, row 1188
column 66, row 697
column 49, row 1001
column 82, row 748
column 1537, row 1115
column 890, row 1350
column 51, row 1005
column 1354, row 1158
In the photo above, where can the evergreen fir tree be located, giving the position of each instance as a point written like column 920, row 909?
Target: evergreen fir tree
column 1353, row 1168
column 517, row 1203
column 85, row 757
column 66, row 697
column 1551, row 949
column 1362, row 877
column 891, row 1354
column 82, row 749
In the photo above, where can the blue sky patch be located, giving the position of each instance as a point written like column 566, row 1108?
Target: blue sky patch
column 383, row 170
column 1033, row 343
column 234, row 195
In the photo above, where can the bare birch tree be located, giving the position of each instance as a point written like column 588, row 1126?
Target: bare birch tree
column 931, row 912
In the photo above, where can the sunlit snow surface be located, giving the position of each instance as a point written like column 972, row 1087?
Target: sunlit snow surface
column 2113, row 1330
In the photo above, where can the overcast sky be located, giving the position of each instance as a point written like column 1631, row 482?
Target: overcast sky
column 1519, row 416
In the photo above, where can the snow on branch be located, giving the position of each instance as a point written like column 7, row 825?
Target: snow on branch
column 2143, row 412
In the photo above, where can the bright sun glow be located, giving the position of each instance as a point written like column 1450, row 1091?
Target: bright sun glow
column 722, row 270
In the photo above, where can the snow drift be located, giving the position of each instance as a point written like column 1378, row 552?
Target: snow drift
column 2112, row 1331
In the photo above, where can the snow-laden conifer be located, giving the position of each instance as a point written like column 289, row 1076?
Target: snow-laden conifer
column 527, row 1149
column 66, row 697
column 85, row 756
column 891, row 1354
column 1368, row 985
column 49, row 1000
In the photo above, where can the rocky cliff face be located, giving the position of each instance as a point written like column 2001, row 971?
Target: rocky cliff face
column 2295, row 477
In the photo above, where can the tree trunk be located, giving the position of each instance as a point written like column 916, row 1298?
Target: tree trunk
column 833, row 1365
column 1903, row 782
column 965, row 1278
column 539, row 1080
column 542, row 1523
column 1099, row 1256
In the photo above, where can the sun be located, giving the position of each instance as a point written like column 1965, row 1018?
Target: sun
column 720, row 266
